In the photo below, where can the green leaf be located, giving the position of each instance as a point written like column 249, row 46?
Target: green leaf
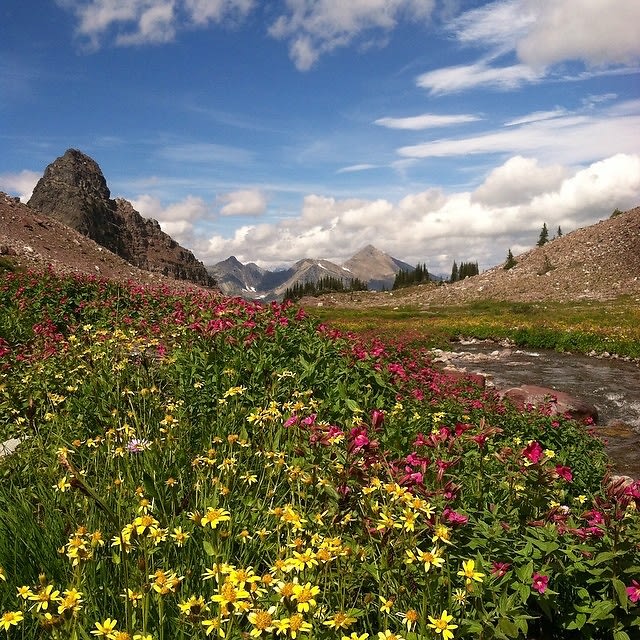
column 208, row 548
column 508, row 628
column 352, row 405
column 620, row 635
column 524, row 591
column 602, row 610
column 621, row 592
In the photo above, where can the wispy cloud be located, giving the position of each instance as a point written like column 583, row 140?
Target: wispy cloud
column 570, row 139
column 426, row 121
column 202, row 152
column 537, row 116
column 315, row 28
column 357, row 167
column 480, row 74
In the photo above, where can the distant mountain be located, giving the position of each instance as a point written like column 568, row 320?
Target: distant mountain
column 369, row 265
column 73, row 191
column 375, row 267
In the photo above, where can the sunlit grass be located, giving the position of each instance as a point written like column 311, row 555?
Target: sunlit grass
column 611, row 326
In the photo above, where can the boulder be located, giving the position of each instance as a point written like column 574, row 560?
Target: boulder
column 561, row 403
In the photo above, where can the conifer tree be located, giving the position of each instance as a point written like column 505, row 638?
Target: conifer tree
column 511, row 261
column 454, row 272
column 544, row 235
column 559, row 234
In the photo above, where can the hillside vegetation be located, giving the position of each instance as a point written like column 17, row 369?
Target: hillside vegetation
column 195, row 466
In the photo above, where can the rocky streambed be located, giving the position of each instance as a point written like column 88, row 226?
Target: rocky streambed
column 611, row 385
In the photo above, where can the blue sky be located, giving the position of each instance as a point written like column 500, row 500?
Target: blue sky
column 434, row 129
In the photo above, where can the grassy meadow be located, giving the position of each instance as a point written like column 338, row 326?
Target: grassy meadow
column 612, row 326
column 194, row 466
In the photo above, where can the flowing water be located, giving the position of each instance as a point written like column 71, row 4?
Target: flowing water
column 613, row 386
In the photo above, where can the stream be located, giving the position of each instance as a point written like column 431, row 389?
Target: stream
column 613, row 386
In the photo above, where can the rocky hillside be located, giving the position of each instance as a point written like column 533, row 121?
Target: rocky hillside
column 598, row 262
column 34, row 241
column 74, row 192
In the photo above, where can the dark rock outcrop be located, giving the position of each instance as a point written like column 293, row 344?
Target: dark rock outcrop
column 74, row 191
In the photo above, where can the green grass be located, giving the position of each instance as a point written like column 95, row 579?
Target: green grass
column 580, row 327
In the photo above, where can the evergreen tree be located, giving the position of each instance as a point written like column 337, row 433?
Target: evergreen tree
column 454, row 272
column 559, row 234
column 544, row 235
column 511, row 261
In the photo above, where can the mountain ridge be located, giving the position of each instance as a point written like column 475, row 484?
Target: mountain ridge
column 370, row 265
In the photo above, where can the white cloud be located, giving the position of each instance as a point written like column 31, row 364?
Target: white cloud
column 536, row 116
column 202, row 12
column 20, row 184
column 155, row 25
column 426, row 121
column 597, row 32
column 137, row 22
column 357, row 167
column 517, row 181
column 571, row 139
column 601, row 34
column 462, row 77
column 246, row 202
column 436, row 227
column 177, row 219
column 315, row 27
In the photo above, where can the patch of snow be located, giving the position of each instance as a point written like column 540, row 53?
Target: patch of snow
column 319, row 265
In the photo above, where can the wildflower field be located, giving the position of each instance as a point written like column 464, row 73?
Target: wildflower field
column 194, row 466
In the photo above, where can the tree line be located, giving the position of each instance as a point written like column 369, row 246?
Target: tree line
column 327, row 284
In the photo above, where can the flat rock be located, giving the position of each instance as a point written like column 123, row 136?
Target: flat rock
column 561, row 403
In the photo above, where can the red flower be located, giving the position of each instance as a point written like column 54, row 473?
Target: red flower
column 539, row 582
column 533, row 451
column 564, row 472
column 500, row 569
column 634, row 591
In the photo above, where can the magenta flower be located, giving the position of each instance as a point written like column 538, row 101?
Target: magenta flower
column 533, row 452
column 564, row 472
column 540, row 582
column 500, row 569
column 634, row 591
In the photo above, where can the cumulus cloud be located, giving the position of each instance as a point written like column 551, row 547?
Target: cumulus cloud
column 137, row 22
column 246, row 202
column 177, row 219
column 517, row 181
column 19, row 184
column 438, row 227
column 314, row 28
column 597, row 32
column 426, row 121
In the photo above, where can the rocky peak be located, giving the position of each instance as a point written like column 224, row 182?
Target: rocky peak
column 74, row 191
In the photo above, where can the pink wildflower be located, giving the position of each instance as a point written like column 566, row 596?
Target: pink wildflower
column 634, row 591
column 564, row 472
column 540, row 582
column 500, row 569
column 533, row 452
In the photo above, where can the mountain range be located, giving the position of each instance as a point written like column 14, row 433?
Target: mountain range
column 369, row 265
